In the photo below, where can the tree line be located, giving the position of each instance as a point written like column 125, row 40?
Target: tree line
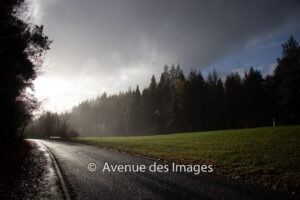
column 179, row 103
column 51, row 125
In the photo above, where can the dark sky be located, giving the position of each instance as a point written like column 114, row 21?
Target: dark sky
column 109, row 45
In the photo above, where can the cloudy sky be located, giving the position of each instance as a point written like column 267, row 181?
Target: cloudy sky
column 109, row 45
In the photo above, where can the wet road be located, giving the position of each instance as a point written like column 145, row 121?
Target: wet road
column 73, row 160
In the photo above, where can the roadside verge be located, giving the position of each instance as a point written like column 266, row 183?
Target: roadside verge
column 58, row 173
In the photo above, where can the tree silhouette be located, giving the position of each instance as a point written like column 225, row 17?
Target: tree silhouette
column 233, row 100
column 287, row 82
column 22, row 46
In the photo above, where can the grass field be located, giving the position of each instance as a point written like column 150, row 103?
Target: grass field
column 263, row 151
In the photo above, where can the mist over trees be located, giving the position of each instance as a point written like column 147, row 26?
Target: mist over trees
column 179, row 103
column 22, row 46
column 49, row 125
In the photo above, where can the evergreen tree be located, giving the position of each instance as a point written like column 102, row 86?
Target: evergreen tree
column 195, row 101
column 287, row 82
column 233, row 100
column 253, row 99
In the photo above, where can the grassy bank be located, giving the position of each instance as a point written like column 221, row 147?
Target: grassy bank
column 268, row 151
column 259, row 150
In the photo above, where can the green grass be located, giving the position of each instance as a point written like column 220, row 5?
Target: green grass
column 263, row 151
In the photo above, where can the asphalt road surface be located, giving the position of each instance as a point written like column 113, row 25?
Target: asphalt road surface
column 73, row 160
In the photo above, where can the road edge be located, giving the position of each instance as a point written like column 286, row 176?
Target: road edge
column 59, row 174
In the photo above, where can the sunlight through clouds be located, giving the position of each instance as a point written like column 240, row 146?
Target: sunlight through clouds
column 59, row 93
column 37, row 9
column 111, row 45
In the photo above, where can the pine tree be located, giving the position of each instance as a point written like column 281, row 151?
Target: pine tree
column 287, row 82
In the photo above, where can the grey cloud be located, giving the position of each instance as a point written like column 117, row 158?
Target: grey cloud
column 135, row 34
column 189, row 32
